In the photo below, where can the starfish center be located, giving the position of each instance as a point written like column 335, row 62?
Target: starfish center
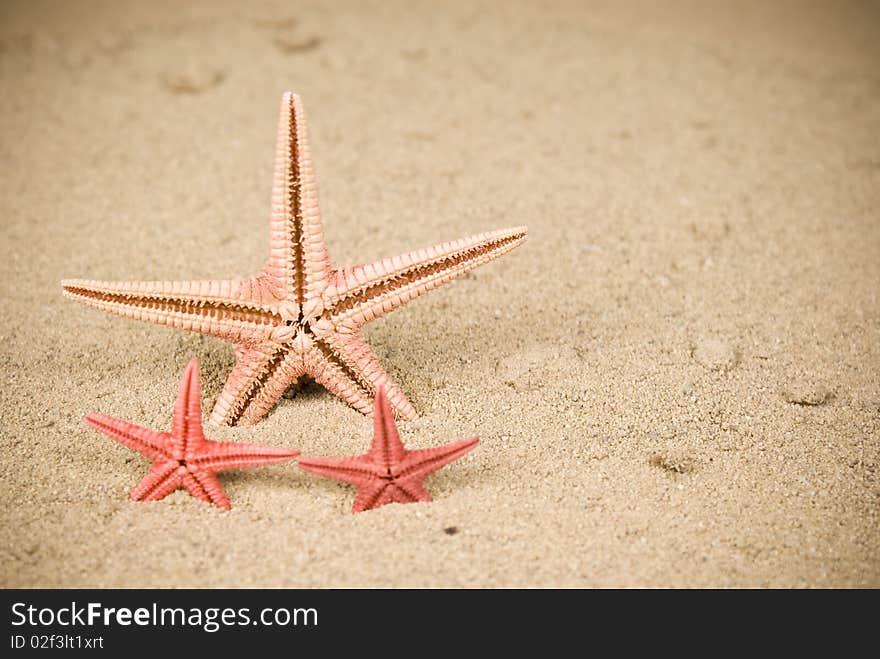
column 389, row 475
column 300, row 326
column 297, row 333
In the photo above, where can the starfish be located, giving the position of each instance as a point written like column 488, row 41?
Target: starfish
column 183, row 457
column 300, row 316
column 388, row 473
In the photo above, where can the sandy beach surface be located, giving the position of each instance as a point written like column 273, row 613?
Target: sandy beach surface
column 676, row 380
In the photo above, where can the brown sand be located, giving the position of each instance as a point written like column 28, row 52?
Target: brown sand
column 676, row 379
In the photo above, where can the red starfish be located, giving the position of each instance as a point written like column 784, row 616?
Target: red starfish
column 183, row 457
column 388, row 473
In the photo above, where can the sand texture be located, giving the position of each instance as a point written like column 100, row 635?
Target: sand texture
column 676, row 380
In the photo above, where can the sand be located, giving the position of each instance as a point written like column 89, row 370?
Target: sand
column 675, row 380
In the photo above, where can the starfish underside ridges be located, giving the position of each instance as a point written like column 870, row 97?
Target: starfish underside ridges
column 300, row 317
column 183, row 457
column 387, row 473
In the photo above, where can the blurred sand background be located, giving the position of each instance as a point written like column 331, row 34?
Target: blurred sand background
column 675, row 380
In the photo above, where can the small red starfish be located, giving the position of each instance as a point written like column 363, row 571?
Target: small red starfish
column 183, row 457
column 388, row 473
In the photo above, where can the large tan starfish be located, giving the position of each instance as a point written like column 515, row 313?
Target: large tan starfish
column 300, row 316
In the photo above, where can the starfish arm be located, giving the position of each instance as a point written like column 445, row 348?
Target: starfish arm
column 386, row 449
column 205, row 486
column 409, row 490
column 220, row 456
column 298, row 263
column 154, row 445
column 419, row 464
column 235, row 310
column 366, row 292
column 378, row 494
column 346, row 366
column 332, row 372
column 256, row 383
column 358, row 471
column 371, row 496
column 186, row 428
column 162, row 479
